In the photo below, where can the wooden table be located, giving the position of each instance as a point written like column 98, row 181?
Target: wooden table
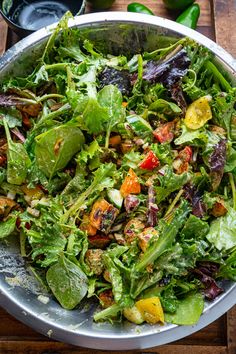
column 217, row 21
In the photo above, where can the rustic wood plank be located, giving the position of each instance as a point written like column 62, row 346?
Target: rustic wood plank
column 214, row 334
column 34, row 347
column 231, row 330
column 224, row 12
column 3, row 35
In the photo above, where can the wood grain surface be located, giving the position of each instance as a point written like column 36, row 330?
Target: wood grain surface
column 218, row 22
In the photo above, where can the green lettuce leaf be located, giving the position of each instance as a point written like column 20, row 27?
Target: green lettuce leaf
column 222, row 233
column 188, row 310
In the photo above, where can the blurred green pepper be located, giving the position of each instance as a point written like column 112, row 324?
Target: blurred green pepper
column 190, row 16
column 177, row 4
column 137, row 7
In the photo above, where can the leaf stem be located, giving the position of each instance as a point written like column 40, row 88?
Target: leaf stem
column 232, row 183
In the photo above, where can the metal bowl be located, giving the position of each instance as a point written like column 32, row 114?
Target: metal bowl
column 20, row 294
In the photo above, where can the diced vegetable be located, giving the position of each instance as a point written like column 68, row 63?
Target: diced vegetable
column 151, row 310
column 150, row 161
column 131, row 184
column 140, row 126
column 133, row 315
column 165, row 133
column 115, row 197
column 103, row 215
column 198, row 113
column 87, row 226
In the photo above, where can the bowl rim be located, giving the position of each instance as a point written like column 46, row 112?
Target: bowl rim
column 114, row 342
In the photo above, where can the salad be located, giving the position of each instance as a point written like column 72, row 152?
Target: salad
column 117, row 176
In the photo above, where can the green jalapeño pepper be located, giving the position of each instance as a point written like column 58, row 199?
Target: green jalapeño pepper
column 177, row 4
column 137, row 7
column 190, row 16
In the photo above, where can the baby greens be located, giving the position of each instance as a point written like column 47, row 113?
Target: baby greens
column 116, row 185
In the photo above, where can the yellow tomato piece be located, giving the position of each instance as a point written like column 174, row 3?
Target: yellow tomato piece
column 198, row 113
column 151, row 310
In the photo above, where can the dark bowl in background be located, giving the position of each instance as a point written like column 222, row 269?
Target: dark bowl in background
column 17, row 12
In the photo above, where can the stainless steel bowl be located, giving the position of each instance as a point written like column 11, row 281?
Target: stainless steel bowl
column 20, row 295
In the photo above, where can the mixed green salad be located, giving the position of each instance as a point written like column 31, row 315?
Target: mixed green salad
column 117, row 175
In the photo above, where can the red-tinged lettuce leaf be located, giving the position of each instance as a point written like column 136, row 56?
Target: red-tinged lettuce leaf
column 120, row 78
column 194, row 196
column 168, row 71
column 152, row 207
column 217, row 163
column 10, row 100
column 211, row 289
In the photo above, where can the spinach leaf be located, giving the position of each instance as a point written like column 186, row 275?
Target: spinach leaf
column 110, row 98
column 18, row 160
column 222, row 233
column 95, row 116
column 55, row 148
column 188, row 310
column 7, row 227
column 68, row 282
column 164, row 108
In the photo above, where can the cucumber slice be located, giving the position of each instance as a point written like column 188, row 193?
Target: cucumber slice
column 140, row 126
column 115, row 197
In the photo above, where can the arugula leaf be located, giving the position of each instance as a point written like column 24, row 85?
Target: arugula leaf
column 7, row 227
column 67, row 282
column 165, row 240
column 18, row 160
column 188, row 310
column 222, row 233
column 55, row 148
column 116, row 277
column 110, row 98
column 100, row 181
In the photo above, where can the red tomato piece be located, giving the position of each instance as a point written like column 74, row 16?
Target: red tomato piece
column 150, row 161
column 164, row 133
column 186, row 154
